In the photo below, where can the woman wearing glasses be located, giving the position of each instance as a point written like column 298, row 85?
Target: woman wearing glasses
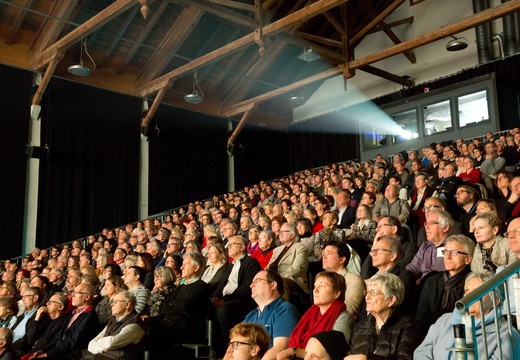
column 247, row 342
column 385, row 332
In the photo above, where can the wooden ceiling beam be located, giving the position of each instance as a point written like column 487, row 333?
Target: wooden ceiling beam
column 308, row 12
column 405, row 81
column 37, row 98
column 364, row 32
column 221, row 12
column 388, row 31
column 170, row 44
column 406, row 20
column 40, row 59
column 155, row 104
column 319, row 39
column 462, row 25
column 17, row 21
column 245, row 105
column 52, row 27
column 245, row 116
column 334, row 22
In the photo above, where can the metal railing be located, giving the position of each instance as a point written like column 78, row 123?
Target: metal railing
column 468, row 347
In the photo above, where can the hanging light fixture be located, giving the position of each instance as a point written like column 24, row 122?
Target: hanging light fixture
column 80, row 69
column 457, row 43
column 197, row 96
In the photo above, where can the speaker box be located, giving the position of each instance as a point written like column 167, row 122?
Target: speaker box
column 37, row 152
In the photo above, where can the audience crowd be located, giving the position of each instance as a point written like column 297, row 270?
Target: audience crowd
column 351, row 261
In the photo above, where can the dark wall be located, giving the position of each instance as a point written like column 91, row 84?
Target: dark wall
column 14, row 121
column 90, row 179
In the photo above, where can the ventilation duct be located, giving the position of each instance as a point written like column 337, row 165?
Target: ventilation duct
column 510, row 39
column 483, row 34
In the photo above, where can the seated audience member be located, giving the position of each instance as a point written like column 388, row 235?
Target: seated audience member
column 25, row 331
column 50, row 320
column 164, row 286
column 362, row 232
column 429, row 257
column 391, row 205
column 512, row 205
column 183, row 314
column 417, row 199
column 467, row 198
column 335, row 257
column 447, row 187
column 440, row 334
column 133, row 278
column 218, row 262
column 327, row 313
column 330, row 345
column 123, row 333
column 304, row 228
column 277, row 316
column 290, row 261
column 8, row 311
column 385, row 257
column 265, row 248
column 492, row 250
column 232, row 298
column 247, row 342
column 391, row 227
column 253, row 236
column 113, row 285
column 57, row 279
column 504, row 192
column 435, row 203
column 470, row 175
column 385, row 332
column 513, row 237
column 443, row 289
column 346, row 213
column 6, row 340
column 491, row 166
column 42, row 283
column 76, row 332
column 145, row 261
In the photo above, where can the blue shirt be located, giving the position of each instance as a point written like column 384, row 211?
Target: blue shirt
column 278, row 318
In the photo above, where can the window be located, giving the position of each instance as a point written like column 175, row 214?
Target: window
column 373, row 138
column 437, row 118
column 473, row 108
column 406, row 126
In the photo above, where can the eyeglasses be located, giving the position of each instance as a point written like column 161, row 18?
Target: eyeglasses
column 378, row 251
column 381, row 225
column 513, row 233
column 460, row 192
column 239, row 244
column 120, row 301
column 236, row 344
column 285, row 231
column 430, row 207
column 453, row 252
column 54, row 302
column 79, row 292
column 27, row 295
column 257, row 280
column 372, row 292
column 430, row 223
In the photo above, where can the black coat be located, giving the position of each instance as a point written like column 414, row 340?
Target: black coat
column 397, row 339
column 248, row 268
column 348, row 218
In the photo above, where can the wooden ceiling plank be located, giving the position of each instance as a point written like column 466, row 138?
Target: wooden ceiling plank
column 462, row 25
column 364, row 32
column 319, row 39
column 17, row 21
column 234, row 4
column 244, row 105
column 330, row 55
column 308, row 12
column 150, row 23
column 387, row 75
column 40, row 59
column 334, row 22
column 221, row 12
column 171, row 42
column 121, row 31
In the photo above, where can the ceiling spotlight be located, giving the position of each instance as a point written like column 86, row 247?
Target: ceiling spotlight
column 457, row 43
column 197, row 96
column 80, row 69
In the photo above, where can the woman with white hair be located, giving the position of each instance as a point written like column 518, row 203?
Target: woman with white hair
column 385, row 331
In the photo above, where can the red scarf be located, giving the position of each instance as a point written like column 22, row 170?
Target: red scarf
column 313, row 322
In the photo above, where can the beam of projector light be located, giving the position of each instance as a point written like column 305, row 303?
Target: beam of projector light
column 357, row 115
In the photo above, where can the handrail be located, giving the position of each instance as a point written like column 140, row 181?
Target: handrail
column 488, row 286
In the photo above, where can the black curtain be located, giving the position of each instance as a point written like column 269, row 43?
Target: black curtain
column 90, row 179
column 322, row 140
column 15, row 101
column 187, row 160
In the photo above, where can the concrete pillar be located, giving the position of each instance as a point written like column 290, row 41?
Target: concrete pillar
column 231, row 165
column 144, row 170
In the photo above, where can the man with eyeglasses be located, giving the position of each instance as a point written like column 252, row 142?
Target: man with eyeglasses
column 277, row 316
column 25, row 330
column 124, row 331
column 467, row 198
column 429, row 257
column 442, row 289
column 513, row 237
column 232, row 298
column 447, row 187
column 435, row 203
column 491, row 166
column 79, row 328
